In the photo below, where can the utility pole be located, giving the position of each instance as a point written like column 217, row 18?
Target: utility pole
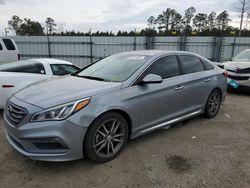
column 134, row 43
column 243, row 9
column 248, row 16
column 6, row 32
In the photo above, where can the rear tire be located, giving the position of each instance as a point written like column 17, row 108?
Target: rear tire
column 106, row 137
column 213, row 104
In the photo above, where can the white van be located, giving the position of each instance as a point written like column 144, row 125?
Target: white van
column 8, row 50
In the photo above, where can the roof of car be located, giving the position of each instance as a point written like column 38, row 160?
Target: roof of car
column 52, row 61
column 155, row 52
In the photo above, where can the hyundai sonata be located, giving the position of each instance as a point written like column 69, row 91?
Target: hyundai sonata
column 94, row 112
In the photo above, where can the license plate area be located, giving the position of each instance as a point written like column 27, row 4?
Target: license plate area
column 233, row 83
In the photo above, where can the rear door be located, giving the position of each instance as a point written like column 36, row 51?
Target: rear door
column 197, row 83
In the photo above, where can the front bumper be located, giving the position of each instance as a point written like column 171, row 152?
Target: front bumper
column 240, row 81
column 46, row 141
column 239, row 84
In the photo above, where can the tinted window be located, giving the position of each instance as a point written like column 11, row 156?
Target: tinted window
column 1, row 48
column 9, row 44
column 165, row 67
column 59, row 69
column 191, row 64
column 24, row 66
column 207, row 64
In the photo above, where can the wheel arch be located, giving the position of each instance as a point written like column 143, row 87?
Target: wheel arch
column 119, row 111
column 217, row 88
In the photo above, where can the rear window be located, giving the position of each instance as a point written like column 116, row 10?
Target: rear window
column 29, row 66
column 191, row 64
column 9, row 44
column 207, row 64
column 1, row 48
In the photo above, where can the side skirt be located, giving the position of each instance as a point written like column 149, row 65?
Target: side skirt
column 168, row 123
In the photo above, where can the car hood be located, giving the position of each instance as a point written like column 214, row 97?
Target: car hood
column 64, row 89
column 233, row 65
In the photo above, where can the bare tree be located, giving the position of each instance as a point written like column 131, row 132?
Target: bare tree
column 243, row 8
column 187, row 19
column 50, row 25
column 151, row 22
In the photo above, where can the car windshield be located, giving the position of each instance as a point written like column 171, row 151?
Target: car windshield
column 115, row 68
column 63, row 69
column 242, row 56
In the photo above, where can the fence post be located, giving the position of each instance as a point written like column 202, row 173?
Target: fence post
column 91, row 48
column 234, row 43
column 49, row 50
column 134, row 43
column 150, row 41
column 183, row 42
column 180, row 46
column 214, row 52
column 147, row 43
column 217, row 49
column 220, row 48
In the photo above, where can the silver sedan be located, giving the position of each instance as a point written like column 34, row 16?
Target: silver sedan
column 94, row 112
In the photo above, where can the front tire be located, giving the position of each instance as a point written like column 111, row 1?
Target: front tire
column 213, row 104
column 106, row 137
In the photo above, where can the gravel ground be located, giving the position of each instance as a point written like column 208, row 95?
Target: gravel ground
column 202, row 153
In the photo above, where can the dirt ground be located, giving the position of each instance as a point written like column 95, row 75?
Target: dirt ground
column 202, row 153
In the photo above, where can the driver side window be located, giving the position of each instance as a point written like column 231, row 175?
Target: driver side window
column 166, row 67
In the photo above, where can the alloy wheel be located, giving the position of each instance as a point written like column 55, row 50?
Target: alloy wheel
column 214, row 103
column 109, row 138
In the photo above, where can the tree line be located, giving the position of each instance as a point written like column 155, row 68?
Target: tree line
column 168, row 23
column 171, row 22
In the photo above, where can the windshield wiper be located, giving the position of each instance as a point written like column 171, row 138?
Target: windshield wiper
column 91, row 77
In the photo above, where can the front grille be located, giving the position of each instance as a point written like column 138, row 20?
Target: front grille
column 243, row 71
column 240, row 71
column 15, row 114
column 238, row 77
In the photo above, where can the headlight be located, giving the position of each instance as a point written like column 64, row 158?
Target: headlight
column 60, row 112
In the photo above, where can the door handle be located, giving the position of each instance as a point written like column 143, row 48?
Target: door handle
column 207, row 80
column 179, row 88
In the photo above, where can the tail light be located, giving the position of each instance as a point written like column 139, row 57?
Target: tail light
column 18, row 57
column 225, row 73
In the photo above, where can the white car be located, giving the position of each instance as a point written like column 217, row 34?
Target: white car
column 17, row 75
column 8, row 50
column 239, row 71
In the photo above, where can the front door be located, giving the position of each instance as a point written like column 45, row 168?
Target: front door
column 159, row 102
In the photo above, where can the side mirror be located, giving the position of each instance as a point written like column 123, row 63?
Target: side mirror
column 152, row 79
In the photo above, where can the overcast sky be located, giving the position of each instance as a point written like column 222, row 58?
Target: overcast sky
column 114, row 15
